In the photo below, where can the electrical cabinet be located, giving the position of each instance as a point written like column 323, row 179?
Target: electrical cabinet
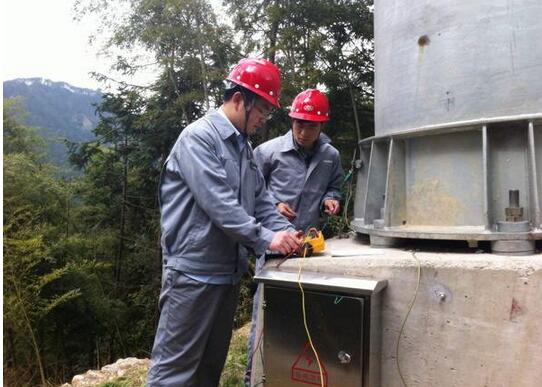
column 343, row 319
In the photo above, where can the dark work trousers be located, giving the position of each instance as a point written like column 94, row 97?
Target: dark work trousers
column 251, row 348
column 194, row 332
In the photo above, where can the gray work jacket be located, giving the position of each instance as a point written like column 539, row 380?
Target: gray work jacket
column 213, row 201
column 290, row 180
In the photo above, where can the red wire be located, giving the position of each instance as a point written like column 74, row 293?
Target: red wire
column 284, row 259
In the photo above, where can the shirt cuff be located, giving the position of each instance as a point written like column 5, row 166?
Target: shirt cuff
column 266, row 236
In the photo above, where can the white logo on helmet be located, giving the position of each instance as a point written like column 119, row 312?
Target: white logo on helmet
column 308, row 108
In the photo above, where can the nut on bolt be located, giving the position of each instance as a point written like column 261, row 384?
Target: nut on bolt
column 344, row 357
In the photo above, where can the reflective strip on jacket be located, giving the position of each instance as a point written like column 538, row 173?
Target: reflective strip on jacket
column 289, row 179
column 214, row 204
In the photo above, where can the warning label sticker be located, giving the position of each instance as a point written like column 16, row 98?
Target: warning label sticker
column 305, row 368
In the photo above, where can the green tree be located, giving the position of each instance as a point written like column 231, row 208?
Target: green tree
column 57, row 281
column 33, row 219
column 118, row 192
column 19, row 138
column 321, row 44
column 190, row 49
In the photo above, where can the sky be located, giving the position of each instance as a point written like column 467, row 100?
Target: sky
column 41, row 39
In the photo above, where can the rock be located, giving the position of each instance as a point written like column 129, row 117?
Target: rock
column 129, row 368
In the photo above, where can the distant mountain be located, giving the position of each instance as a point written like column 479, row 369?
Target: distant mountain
column 62, row 110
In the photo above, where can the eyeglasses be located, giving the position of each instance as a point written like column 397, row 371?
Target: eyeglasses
column 267, row 113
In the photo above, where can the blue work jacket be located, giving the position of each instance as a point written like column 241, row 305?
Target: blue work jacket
column 213, row 201
column 290, row 180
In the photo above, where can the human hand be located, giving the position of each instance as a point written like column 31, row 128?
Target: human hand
column 331, row 206
column 286, row 210
column 285, row 242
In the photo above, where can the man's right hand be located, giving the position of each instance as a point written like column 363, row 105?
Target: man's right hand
column 285, row 242
column 286, row 210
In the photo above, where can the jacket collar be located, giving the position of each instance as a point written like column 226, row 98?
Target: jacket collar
column 223, row 125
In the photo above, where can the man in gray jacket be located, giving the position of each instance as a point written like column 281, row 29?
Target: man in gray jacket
column 302, row 169
column 214, row 209
column 303, row 173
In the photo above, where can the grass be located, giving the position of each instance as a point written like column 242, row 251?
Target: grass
column 232, row 375
column 236, row 362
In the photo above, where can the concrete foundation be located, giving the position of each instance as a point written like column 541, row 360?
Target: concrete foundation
column 477, row 319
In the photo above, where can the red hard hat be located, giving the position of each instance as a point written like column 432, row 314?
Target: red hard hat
column 259, row 76
column 310, row 105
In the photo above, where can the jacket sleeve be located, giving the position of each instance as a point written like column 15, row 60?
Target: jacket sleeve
column 204, row 173
column 333, row 190
column 263, row 159
column 266, row 211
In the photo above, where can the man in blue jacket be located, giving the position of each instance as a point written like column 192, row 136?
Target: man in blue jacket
column 214, row 209
column 303, row 173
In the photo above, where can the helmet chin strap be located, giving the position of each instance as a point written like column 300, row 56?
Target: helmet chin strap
column 247, row 114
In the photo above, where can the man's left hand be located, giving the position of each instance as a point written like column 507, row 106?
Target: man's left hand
column 331, row 206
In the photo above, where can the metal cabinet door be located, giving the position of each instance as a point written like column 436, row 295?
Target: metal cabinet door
column 335, row 323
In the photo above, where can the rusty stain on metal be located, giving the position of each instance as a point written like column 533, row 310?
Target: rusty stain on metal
column 423, row 40
column 430, row 204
